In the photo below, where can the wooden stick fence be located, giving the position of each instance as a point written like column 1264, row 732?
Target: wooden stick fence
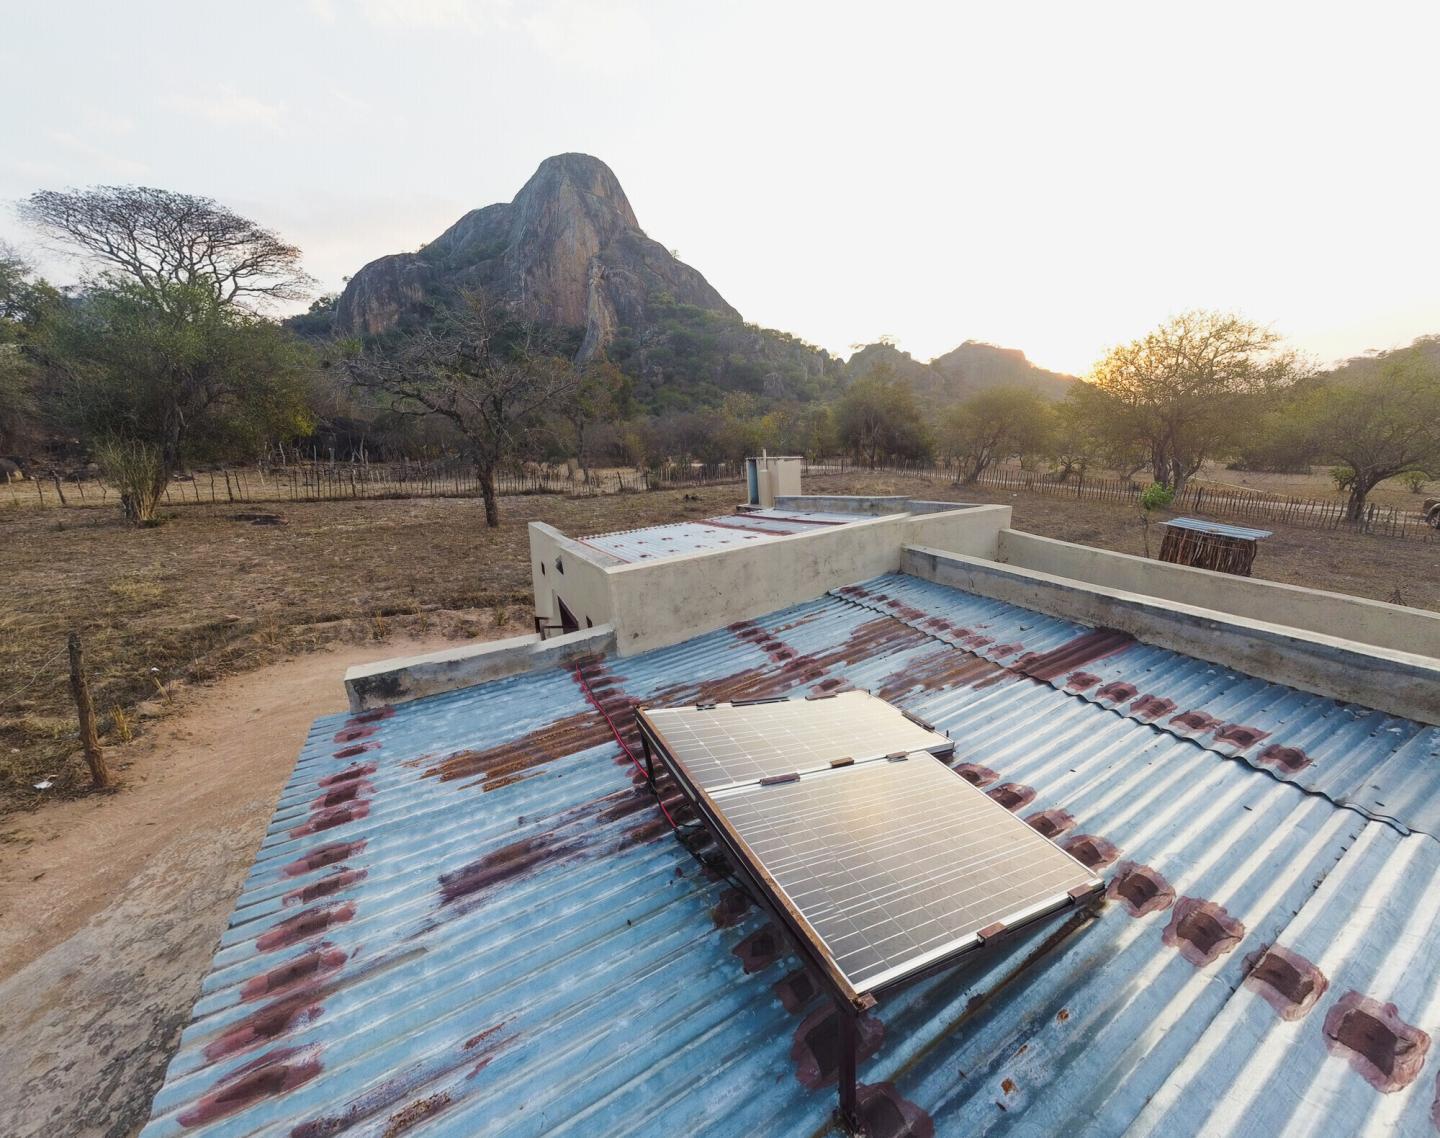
column 327, row 482
column 1310, row 513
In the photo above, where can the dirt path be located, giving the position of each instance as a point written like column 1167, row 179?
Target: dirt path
column 110, row 907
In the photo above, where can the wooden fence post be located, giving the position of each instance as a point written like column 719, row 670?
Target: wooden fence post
column 99, row 771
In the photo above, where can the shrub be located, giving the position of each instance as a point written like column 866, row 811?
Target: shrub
column 137, row 473
column 1156, row 496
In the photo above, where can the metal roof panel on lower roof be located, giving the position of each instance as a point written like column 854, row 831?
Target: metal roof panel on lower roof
column 722, row 532
column 469, row 919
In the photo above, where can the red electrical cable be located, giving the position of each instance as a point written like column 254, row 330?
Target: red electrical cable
column 624, row 746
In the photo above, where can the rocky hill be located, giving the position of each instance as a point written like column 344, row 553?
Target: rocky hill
column 568, row 251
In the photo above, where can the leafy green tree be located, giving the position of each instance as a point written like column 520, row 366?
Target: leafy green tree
column 805, row 429
column 1186, row 390
column 738, row 428
column 1076, row 440
column 1278, row 441
column 602, row 394
column 995, row 424
column 878, row 418
column 17, row 398
column 19, row 297
column 1379, row 419
column 174, row 375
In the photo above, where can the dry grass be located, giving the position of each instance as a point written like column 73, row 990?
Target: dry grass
column 206, row 595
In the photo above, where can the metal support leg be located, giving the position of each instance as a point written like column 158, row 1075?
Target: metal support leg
column 649, row 760
column 849, row 1110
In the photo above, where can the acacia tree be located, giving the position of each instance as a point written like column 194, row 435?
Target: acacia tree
column 994, row 424
column 479, row 367
column 155, row 381
column 163, row 357
column 1380, row 419
column 878, row 418
column 160, row 239
column 1186, row 389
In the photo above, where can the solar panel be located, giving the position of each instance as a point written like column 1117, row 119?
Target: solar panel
column 896, row 865
column 729, row 745
column 881, row 862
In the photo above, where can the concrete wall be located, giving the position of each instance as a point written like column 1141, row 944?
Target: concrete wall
column 411, row 677
column 1332, row 614
column 869, row 505
column 973, row 530
column 560, row 566
column 1402, row 683
column 654, row 604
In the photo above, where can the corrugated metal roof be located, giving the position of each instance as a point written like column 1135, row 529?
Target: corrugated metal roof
column 1220, row 529
column 1383, row 765
column 468, row 919
column 721, row 532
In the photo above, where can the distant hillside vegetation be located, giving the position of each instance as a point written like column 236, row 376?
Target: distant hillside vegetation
column 970, row 368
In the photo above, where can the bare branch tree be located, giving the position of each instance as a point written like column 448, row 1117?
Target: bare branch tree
column 160, row 238
column 482, row 369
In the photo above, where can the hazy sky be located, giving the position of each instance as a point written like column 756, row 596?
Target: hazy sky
column 1053, row 177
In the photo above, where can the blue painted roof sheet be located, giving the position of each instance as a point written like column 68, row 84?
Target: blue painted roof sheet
column 721, row 532
column 1203, row 525
column 468, row 916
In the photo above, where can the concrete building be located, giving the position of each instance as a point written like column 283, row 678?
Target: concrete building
column 469, row 916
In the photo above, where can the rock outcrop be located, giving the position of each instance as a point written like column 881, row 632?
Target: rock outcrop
column 568, row 251
column 965, row 371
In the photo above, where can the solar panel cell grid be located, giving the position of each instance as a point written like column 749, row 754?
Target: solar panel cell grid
column 731, row 745
column 895, row 865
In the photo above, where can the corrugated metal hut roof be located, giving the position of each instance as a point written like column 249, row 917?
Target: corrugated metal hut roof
column 1220, row 529
column 469, row 918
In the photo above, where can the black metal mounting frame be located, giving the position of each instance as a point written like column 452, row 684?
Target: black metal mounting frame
column 849, row 1003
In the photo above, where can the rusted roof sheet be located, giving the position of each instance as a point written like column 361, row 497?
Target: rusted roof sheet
column 721, row 532
column 1383, row 765
column 468, row 919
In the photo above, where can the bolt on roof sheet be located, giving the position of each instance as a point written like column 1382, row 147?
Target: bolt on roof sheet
column 469, row 918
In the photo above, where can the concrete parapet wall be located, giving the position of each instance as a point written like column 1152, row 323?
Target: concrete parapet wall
column 1402, row 683
column 869, row 505
column 664, row 602
column 1383, row 625
column 411, row 677
column 565, row 569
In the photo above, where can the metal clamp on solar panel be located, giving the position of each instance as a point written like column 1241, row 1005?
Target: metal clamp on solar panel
column 881, row 871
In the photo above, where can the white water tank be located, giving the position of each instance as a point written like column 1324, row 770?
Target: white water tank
column 768, row 477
